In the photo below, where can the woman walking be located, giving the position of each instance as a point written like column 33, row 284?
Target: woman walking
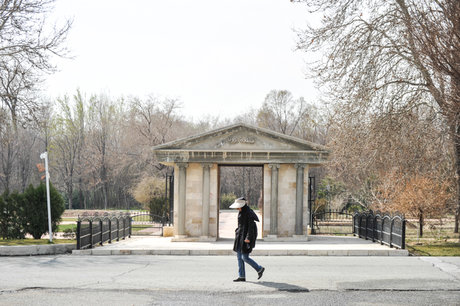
column 245, row 239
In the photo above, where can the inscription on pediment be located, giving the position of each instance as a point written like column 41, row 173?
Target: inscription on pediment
column 238, row 139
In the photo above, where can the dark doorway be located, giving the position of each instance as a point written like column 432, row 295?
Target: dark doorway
column 239, row 181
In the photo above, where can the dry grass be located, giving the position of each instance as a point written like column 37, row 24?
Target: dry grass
column 12, row 242
column 438, row 238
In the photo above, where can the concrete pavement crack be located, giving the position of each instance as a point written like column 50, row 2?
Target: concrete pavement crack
column 113, row 278
column 130, row 271
column 443, row 266
column 219, row 291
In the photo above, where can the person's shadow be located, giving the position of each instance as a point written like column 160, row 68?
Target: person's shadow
column 282, row 286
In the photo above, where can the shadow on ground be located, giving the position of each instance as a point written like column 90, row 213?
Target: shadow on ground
column 282, row 286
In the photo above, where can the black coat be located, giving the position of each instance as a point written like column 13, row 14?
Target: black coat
column 247, row 229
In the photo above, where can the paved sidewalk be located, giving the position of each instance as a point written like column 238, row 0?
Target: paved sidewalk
column 315, row 246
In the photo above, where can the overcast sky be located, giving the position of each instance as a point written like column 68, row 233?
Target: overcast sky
column 219, row 57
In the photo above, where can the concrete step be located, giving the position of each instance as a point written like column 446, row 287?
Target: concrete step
column 313, row 246
column 30, row 250
column 219, row 252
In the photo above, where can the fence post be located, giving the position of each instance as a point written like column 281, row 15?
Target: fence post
column 124, row 228
column 370, row 217
column 130, row 226
column 78, row 234
column 374, row 227
column 102, row 230
column 366, row 216
column 118, row 229
column 391, row 230
column 311, row 223
column 403, row 234
column 381, row 230
column 110, row 230
column 90, row 233
column 354, row 224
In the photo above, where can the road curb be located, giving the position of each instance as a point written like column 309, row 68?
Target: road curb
column 204, row 252
column 31, row 250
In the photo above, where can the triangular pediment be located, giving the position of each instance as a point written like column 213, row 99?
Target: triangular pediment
column 241, row 137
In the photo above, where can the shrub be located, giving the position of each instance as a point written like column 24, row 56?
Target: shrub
column 226, row 200
column 36, row 211
column 69, row 233
column 12, row 217
column 148, row 190
column 157, row 206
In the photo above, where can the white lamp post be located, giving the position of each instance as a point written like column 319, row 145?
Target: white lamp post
column 47, row 175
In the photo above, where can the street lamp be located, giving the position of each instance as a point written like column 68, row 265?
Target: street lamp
column 47, row 175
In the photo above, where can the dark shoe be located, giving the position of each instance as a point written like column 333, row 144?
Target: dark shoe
column 261, row 272
column 240, row 279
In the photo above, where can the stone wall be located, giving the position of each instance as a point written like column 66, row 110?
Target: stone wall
column 286, row 200
column 194, row 200
column 267, row 197
column 176, row 199
column 306, row 212
column 214, row 202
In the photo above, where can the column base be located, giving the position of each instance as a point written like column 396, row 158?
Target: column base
column 271, row 238
column 300, row 237
column 207, row 239
column 294, row 238
column 178, row 238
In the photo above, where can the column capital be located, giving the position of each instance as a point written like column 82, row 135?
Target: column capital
column 274, row 166
column 182, row 165
column 207, row 165
column 298, row 165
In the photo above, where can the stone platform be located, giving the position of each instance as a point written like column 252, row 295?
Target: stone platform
column 315, row 246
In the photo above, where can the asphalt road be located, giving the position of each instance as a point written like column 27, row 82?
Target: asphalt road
column 207, row 280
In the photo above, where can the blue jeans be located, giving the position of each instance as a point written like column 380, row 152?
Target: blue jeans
column 242, row 258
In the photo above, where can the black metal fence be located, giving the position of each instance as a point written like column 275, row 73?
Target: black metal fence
column 381, row 227
column 332, row 222
column 98, row 229
column 147, row 224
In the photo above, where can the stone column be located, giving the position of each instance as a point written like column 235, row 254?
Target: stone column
column 299, row 199
column 206, row 195
column 182, row 192
column 274, row 199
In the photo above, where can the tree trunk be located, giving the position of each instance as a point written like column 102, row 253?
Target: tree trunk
column 105, row 196
column 7, row 166
column 69, row 194
column 455, row 128
column 420, row 228
column 80, row 196
column 457, row 164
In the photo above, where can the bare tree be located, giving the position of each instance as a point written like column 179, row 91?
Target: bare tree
column 155, row 117
column 27, row 43
column 66, row 143
column 101, row 125
column 8, row 154
column 281, row 112
column 389, row 57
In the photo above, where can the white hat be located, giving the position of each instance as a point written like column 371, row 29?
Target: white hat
column 240, row 202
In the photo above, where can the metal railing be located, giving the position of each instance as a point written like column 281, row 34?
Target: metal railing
column 98, row 229
column 336, row 222
column 381, row 227
column 147, row 224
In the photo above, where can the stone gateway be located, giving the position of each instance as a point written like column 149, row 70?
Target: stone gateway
column 285, row 160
